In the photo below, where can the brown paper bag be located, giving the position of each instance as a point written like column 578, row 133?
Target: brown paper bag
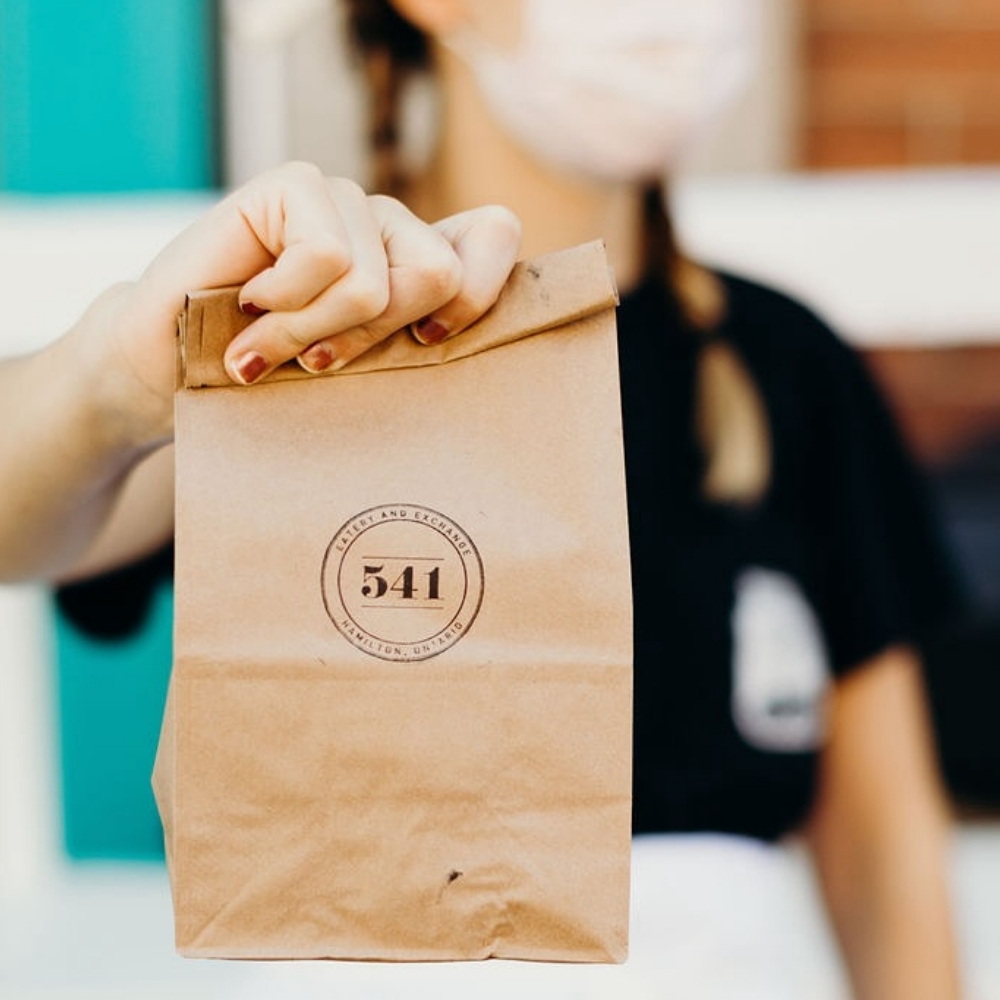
column 399, row 720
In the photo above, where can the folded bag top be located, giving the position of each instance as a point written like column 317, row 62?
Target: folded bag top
column 399, row 718
column 540, row 294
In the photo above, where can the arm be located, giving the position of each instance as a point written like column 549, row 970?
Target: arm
column 879, row 834
column 67, row 451
column 85, row 461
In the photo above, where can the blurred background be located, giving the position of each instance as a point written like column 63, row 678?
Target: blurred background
column 860, row 172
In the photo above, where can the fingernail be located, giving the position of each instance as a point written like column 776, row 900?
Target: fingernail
column 429, row 331
column 252, row 309
column 318, row 358
column 249, row 367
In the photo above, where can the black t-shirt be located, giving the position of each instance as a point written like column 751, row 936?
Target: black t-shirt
column 741, row 616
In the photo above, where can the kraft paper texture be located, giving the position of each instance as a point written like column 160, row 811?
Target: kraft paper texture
column 399, row 719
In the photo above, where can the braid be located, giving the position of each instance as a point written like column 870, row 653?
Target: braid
column 384, row 84
column 730, row 417
column 374, row 24
column 391, row 49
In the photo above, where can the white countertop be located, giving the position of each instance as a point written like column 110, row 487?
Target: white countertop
column 104, row 932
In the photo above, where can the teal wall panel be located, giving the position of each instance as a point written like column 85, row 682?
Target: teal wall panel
column 109, row 95
column 110, row 705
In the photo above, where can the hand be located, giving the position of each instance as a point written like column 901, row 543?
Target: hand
column 329, row 270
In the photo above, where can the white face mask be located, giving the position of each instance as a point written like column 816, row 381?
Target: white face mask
column 615, row 89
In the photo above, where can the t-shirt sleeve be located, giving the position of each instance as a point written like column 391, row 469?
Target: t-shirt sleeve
column 115, row 605
column 888, row 574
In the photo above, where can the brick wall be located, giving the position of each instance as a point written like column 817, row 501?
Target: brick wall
column 945, row 398
column 900, row 83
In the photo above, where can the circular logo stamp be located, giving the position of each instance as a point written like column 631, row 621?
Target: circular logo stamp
column 402, row 582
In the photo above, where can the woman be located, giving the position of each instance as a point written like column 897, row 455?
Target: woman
column 782, row 557
column 779, row 574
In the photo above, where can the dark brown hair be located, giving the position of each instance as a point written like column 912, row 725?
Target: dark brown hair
column 730, row 420
column 391, row 49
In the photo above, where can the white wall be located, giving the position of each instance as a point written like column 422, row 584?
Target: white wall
column 890, row 258
column 29, row 817
column 758, row 134
column 290, row 89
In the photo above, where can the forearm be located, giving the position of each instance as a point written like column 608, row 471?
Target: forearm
column 892, row 915
column 880, row 834
column 68, row 446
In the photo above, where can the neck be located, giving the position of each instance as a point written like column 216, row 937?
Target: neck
column 476, row 163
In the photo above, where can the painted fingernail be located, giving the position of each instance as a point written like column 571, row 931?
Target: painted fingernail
column 429, row 331
column 249, row 367
column 252, row 309
column 318, row 358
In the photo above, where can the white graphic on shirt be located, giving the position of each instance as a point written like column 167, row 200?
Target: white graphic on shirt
column 780, row 667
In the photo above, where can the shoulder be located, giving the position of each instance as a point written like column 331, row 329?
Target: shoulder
column 779, row 333
column 761, row 312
